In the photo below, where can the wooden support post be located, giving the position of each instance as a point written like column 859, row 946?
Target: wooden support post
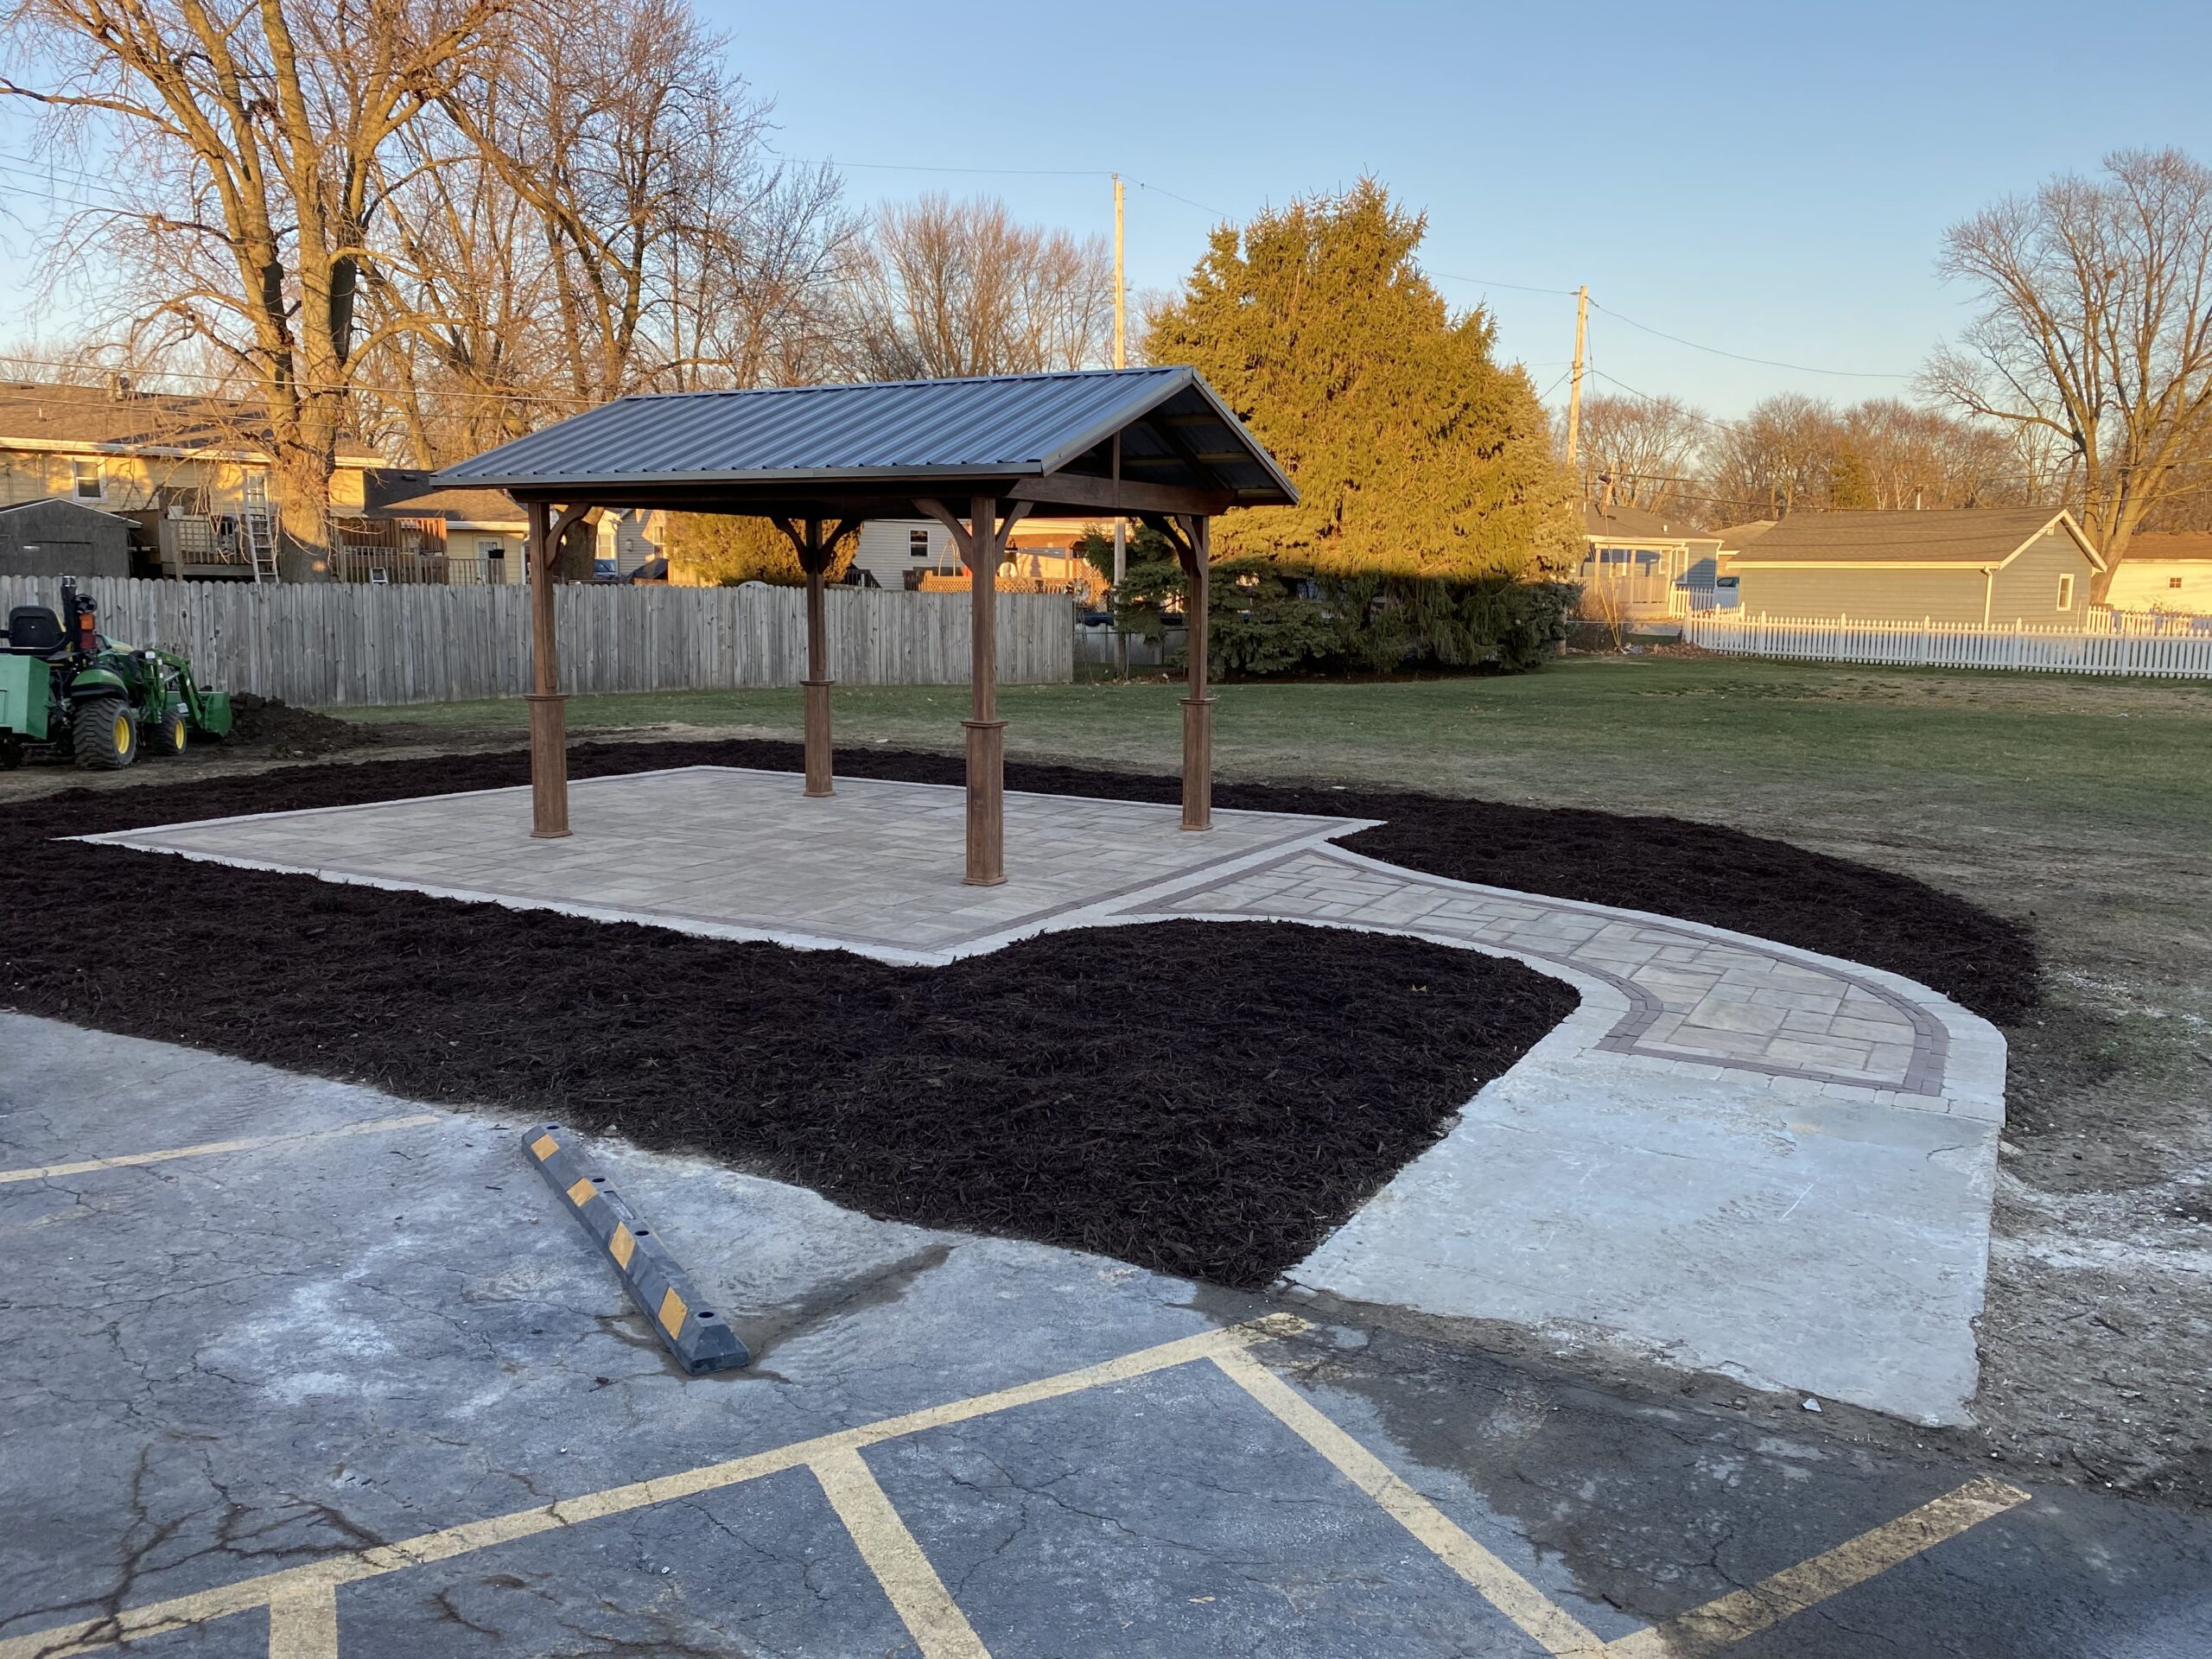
column 548, row 752
column 985, row 731
column 816, row 561
column 1198, row 705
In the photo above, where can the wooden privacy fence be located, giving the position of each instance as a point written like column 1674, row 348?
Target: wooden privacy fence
column 2170, row 647
column 347, row 643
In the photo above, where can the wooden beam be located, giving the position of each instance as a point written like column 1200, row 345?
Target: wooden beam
column 1127, row 496
column 814, row 557
column 986, row 732
column 1198, row 703
column 549, row 755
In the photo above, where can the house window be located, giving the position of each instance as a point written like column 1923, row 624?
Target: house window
column 918, row 543
column 2066, row 592
column 87, row 483
column 2173, row 582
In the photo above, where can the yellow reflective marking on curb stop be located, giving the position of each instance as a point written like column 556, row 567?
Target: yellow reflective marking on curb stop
column 621, row 1247
column 544, row 1147
column 580, row 1191
column 671, row 1311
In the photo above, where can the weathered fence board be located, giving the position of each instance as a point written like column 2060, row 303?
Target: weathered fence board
column 2156, row 647
column 343, row 642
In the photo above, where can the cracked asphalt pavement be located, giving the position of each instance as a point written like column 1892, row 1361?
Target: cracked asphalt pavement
column 287, row 1357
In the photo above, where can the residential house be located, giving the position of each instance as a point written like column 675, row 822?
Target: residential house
column 187, row 472
column 1639, row 565
column 2168, row 570
column 913, row 552
column 409, row 531
column 1980, row 565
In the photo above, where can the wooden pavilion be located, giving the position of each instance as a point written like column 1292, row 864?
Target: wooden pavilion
column 978, row 456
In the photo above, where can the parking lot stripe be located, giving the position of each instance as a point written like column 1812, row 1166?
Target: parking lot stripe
column 133, row 1624
column 304, row 1625
column 1550, row 1625
column 940, row 1630
column 209, row 1148
column 1745, row 1613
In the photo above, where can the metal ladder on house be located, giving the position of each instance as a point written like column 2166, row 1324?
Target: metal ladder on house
column 260, row 533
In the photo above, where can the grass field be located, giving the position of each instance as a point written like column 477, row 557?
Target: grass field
column 1705, row 738
column 2083, row 805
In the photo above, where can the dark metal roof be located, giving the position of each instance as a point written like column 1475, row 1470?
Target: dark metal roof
column 794, row 443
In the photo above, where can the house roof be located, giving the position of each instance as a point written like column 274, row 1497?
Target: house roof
column 1743, row 534
column 1966, row 536
column 758, row 449
column 100, row 420
column 407, row 492
column 2164, row 546
column 1639, row 523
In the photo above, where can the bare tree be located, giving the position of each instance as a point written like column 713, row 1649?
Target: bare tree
column 2095, row 327
column 1777, row 459
column 959, row 288
column 1639, row 452
column 262, row 123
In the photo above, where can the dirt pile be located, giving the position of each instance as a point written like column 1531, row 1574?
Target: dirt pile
column 270, row 726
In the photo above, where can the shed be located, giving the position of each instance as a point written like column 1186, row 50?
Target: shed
column 1973, row 565
column 56, row 538
column 974, row 455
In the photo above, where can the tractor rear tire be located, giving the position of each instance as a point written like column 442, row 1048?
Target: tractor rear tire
column 103, row 735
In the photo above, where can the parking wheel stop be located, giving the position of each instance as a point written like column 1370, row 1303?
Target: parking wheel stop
column 700, row 1338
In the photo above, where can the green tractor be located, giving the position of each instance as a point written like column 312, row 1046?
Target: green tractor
column 68, row 686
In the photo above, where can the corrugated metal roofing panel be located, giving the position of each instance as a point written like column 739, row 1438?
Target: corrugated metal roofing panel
column 1007, row 424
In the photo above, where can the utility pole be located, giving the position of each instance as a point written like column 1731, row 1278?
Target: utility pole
column 1120, row 361
column 1574, row 390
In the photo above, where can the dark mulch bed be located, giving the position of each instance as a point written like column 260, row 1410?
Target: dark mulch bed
column 1203, row 1098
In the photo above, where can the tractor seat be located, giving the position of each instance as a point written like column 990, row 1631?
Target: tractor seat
column 35, row 631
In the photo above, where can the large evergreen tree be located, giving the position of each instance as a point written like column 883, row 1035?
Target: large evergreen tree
column 1414, row 451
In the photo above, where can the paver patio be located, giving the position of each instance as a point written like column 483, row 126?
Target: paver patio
column 1735, row 1155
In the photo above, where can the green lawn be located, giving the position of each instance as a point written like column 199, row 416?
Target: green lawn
column 1731, row 739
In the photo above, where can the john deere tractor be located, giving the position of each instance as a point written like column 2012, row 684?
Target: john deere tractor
column 67, row 686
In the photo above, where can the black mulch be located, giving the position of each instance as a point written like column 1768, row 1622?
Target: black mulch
column 1203, row 1098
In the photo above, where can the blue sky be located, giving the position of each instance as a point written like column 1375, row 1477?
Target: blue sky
column 1768, row 180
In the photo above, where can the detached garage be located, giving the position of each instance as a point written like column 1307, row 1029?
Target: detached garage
column 1980, row 565
column 56, row 538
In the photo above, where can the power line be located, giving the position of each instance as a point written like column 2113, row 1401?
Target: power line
column 1768, row 362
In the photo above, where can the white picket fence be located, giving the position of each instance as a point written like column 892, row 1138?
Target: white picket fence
column 345, row 644
column 2168, row 647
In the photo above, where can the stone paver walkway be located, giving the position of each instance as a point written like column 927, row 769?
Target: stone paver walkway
column 1734, row 1155
column 1693, row 995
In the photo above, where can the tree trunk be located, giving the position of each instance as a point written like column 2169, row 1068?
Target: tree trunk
column 300, row 482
